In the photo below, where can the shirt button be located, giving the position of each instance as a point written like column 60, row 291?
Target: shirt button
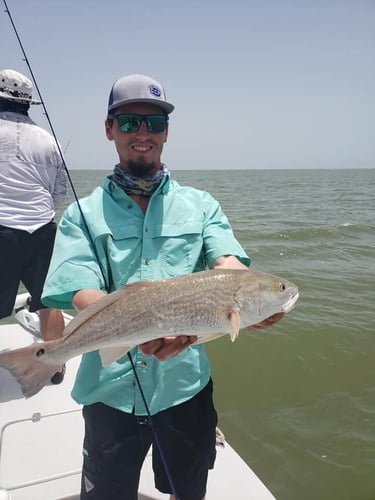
column 143, row 364
column 146, row 230
column 130, row 205
column 147, row 262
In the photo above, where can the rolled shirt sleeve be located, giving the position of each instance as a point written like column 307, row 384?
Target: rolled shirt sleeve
column 74, row 265
column 218, row 235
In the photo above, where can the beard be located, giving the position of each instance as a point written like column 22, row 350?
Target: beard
column 141, row 168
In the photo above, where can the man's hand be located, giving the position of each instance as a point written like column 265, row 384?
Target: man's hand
column 267, row 322
column 167, row 347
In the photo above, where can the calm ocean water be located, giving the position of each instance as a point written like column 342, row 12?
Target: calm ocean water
column 297, row 401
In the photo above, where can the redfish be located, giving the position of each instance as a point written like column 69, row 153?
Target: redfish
column 208, row 304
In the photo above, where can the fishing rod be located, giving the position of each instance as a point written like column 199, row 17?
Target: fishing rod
column 92, row 243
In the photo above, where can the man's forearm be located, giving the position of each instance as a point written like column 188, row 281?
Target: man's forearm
column 82, row 298
column 228, row 262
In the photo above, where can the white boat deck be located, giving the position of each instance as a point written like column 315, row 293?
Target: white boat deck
column 41, row 441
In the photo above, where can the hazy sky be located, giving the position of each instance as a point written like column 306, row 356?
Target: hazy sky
column 256, row 83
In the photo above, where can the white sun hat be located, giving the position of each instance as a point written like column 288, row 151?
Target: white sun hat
column 16, row 87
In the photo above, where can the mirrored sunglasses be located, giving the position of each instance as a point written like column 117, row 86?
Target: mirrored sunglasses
column 130, row 123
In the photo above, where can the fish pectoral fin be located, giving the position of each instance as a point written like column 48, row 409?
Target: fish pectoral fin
column 235, row 322
column 110, row 354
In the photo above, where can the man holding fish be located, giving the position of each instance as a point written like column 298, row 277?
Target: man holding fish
column 145, row 227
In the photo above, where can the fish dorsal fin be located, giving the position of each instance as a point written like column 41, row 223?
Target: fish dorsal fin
column 110, row 354
column 235, row 323
column 103, row 303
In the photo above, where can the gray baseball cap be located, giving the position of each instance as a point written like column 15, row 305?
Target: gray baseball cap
column 138, row 88
column 16, row 87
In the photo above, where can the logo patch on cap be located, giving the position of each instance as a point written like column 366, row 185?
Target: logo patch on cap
column 155, row 91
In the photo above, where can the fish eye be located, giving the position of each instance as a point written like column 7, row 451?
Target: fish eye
column 282, row 287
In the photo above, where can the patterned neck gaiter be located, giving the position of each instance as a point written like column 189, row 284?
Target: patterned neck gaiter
column 135, row 185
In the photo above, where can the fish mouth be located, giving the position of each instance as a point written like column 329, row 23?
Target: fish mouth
column 289, row 304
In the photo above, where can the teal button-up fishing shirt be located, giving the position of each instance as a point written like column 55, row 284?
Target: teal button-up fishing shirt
column 183, row 231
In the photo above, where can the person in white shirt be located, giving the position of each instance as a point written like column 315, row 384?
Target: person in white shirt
column 32, row 184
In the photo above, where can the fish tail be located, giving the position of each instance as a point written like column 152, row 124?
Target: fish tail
column 30, row 367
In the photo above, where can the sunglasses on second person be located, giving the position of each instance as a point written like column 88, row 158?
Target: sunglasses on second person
column 130, row 122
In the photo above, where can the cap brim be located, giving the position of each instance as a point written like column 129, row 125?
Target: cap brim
column 19, row 99
column 165, row 106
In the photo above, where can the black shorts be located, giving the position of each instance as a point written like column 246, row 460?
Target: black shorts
column 24, row 257
column 116, row 444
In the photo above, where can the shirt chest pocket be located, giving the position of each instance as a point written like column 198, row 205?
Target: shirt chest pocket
column 178, row 247
column 124, row 250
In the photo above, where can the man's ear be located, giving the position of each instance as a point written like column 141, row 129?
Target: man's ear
column 108, row 130
column 166, row 133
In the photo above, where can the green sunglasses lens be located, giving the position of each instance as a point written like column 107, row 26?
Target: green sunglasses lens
column 131, row 123
column 128, row 123
column 156, row 123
